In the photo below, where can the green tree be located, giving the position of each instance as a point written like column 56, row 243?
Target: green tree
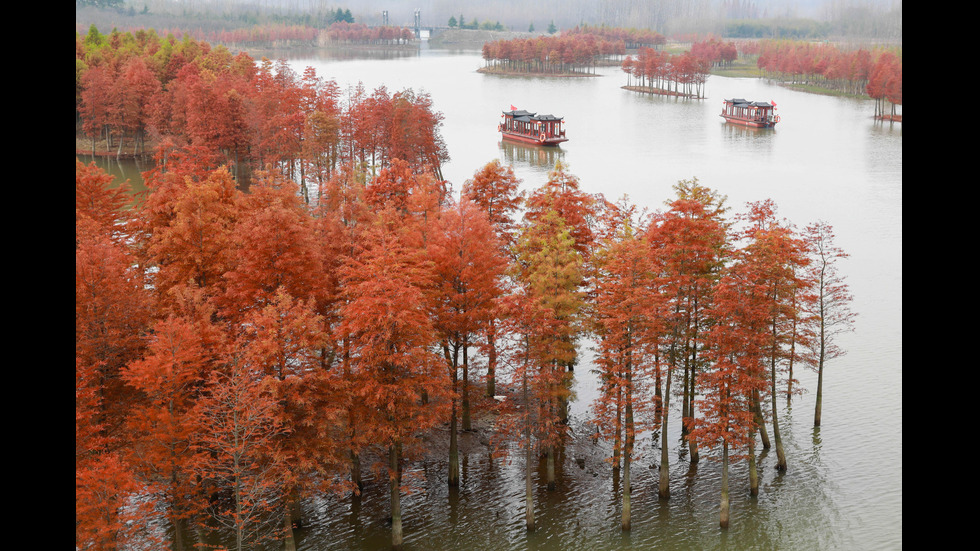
column 452, row 22
column 550, row 270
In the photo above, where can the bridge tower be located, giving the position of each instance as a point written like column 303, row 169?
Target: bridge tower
column 418, row 23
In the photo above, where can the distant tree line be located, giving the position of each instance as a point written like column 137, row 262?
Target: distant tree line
column 876, row 72
column 358, row 33
column 574, row 52
column 475, row 24
column 99, row 3
column 631, row 38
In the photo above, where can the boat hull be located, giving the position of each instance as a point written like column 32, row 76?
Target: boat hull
column 523, row 138
column 750, row 122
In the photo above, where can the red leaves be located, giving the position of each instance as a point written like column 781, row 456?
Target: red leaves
column 386, row 320
column 203, row 97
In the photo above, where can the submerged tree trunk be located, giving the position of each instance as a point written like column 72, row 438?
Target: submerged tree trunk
column 396, row 506
column 619, row 431
column 528, row 487
column 760, row 420
column 550, row 467
column 820, row 360
column 491, row 359
column 753, row 468
column 467, row 426
column 780, row 453
column 627, row 457
column 289, row 541
column 724, row 486
column 453, row 360
column 664, row 487
column 453, row 449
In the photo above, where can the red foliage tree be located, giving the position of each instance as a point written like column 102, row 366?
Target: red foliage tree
column 625, row 317
column 391, row 335
column 776, row 259
column 190, row 238
column 496, row 190
column 734, row 375
column 275, row 247
column 468, row 265
column 831, row 313
column 688, row 244
column 170, row 378
column 239, row 440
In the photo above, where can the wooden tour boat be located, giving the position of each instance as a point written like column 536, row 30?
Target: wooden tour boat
column 756, row 114
column 523, row 126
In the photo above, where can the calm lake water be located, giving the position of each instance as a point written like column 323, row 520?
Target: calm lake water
column 826, row 160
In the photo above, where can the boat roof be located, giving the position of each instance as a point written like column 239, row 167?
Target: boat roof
column 739, row 102
column 527, row 116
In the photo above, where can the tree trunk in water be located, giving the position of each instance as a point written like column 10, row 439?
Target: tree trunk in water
column 550, row 468
column 492, row 359
column 760, row 421
column 619, row 431
column 466, row 391
column 528, row 487
column 820, row 360
column 453, row 449
column 780, row 453
column 685, row 403
column 664, row 489
column 818, row 407
column 753, row 468
column 396, row 506
column 627, row 488
column 724, row 486
column 692, row 443
column 289, row 541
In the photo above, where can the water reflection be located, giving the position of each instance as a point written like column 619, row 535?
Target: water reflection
column 347, row 53
column 122, row 169
column 533, row 155
column 738, row 132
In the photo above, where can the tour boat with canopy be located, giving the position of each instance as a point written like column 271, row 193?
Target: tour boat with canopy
column 756, row 114
column 527, row 127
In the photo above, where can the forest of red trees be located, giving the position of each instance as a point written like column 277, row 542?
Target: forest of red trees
column 876, row 72
column 238, row 352
column 665, row 73
column 566, row 53
column 339, row 32
column 631, row 38
column 358, row 33
column 718, row 52
column 132, row 89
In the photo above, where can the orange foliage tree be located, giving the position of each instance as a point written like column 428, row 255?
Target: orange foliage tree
column 688, row 244
column 777, row 258
column 734, row 375
column 496, row 189
column 625, row 318
column 468, row 265
column 391, row 337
